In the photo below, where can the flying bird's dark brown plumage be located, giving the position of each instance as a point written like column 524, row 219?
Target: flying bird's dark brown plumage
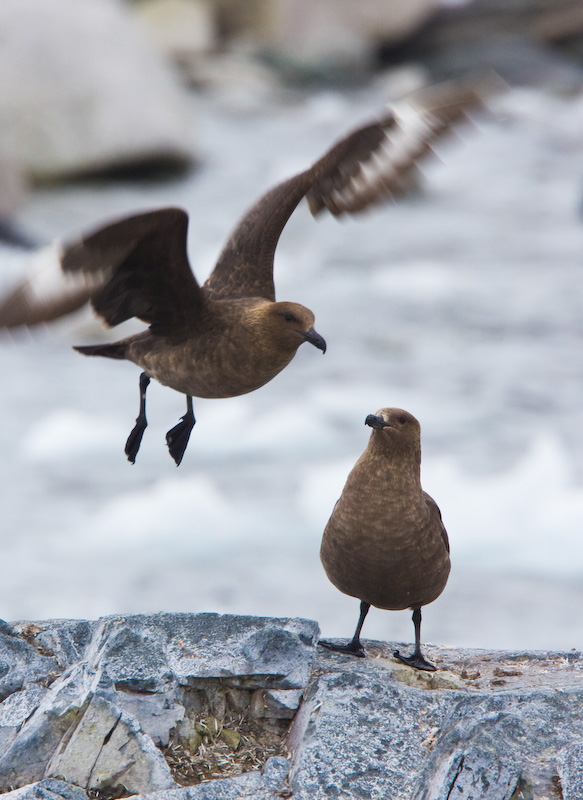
column 385, row 542
column 229, row 336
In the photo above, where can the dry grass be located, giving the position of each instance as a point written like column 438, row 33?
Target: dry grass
column 221, row 749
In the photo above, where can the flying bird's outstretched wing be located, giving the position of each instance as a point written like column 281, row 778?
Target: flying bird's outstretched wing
column 369, row 166
column 135, row 267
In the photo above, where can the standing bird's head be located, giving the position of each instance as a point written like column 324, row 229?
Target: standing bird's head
column 396, row 430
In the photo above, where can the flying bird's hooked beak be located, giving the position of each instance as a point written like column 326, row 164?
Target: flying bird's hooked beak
column 376, row 422
column 314, row 338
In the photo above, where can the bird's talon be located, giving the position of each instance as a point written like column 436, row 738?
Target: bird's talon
column 134, row 440
column 417, row 661
column 348, row 649
column 177, row 440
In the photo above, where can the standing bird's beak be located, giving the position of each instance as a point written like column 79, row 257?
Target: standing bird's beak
column 376, row 422
column 314, row 338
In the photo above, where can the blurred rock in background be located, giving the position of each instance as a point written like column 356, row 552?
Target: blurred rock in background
column 93, row 87
column 532, row 42
column 302, row 39
column 84, row 91
column 13, row 193
column 528, row 42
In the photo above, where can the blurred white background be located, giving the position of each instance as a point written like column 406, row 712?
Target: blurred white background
column 461, row 304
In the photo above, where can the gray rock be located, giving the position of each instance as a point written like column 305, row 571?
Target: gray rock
column 26, row 759
column 15, row 710
column 20, row 663
column 12, row 200
column 157, row 714
column 335, row 34
column 276, row 704
column 78, row 733
column 570, row 772
column 486, row 726
column 106, row 102
column 108, row 749
column 267, row 784
column 131, row 680
column 493, row 34
column 48, row 789
column 145, row 653
column 183, row 29
column 65, row 639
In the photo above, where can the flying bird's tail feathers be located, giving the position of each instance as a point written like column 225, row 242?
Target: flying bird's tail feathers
column 113, row 350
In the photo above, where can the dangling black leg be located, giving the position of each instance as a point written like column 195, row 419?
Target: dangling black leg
column 416, row 659
column 135, row 438
column 178, row 437
column 353, row 647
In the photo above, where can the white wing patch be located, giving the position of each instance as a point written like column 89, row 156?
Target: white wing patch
column 48, row 292
column 410, row 129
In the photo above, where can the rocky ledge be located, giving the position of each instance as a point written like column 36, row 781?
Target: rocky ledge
column 189, row 706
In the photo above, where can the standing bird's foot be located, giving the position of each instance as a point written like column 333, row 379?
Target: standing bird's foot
column 177, row 438
column 352, row 648
column 416, row 660
column 135, row 438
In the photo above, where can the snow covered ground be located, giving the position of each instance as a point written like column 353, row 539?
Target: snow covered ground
column 462, row 304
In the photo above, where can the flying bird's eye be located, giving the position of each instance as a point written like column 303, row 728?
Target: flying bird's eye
column 402, row 420
column 289, row 317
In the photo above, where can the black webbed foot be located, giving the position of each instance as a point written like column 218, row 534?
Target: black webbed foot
column 135, row 438
column 177, row 438
column 417, row 661
column 352, row 648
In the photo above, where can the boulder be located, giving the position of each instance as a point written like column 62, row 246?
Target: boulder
column 486, row 726
column 109, row 749
column 183, row 29
column 338, row 34
column 134, row 701
column 15, row 710
column 83, row 90
column 21, row 664
column 49, row 789
column 320, row 35
column 124, row 688
column 511, row 38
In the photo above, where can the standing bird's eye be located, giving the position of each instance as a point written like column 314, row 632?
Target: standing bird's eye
column 402, row 420
column 289, row 317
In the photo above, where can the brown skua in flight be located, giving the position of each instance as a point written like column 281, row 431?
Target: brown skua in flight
column 230, row 336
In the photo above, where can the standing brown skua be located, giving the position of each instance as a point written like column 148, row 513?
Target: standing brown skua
column 385, row 542
column 230, row 336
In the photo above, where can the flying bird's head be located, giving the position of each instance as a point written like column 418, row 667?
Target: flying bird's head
column 291, row 324
column 396, row 429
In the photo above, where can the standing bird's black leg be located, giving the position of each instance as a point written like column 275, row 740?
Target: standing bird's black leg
column 178, row 437
column 416, row 659
column 135, row 438
column 354, row 647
